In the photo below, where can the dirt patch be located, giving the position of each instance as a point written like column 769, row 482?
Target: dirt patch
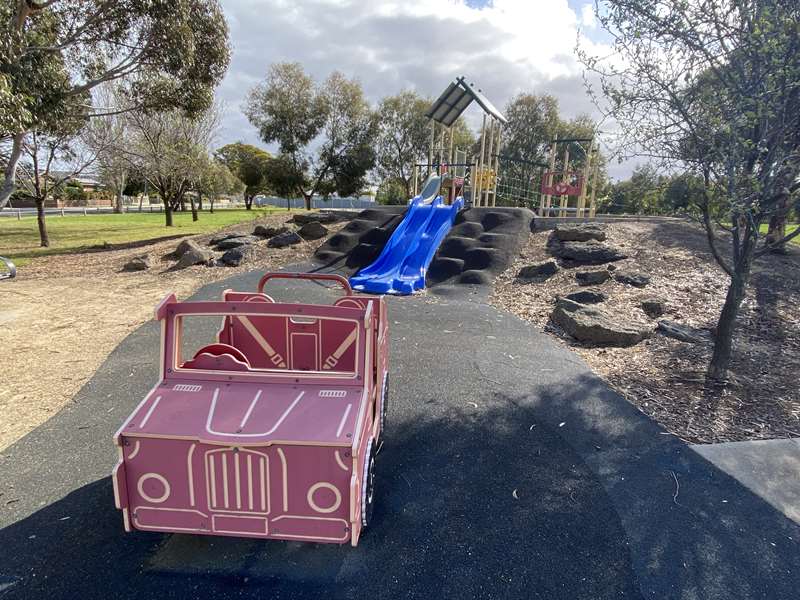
column 63, row 315
column 665, row 378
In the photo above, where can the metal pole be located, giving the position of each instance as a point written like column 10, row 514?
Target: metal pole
column 479, row 174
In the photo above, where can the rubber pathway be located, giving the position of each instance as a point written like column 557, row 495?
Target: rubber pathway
column 508, row 471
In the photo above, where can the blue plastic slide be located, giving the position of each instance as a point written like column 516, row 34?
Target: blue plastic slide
column 401, row 266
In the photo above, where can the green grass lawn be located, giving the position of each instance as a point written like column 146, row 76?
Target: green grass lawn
column 19, row 239
column 789, row 229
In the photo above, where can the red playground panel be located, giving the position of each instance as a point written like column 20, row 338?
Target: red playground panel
column 270, row 430
column 570, row 184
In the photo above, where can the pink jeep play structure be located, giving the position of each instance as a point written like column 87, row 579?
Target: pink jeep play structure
column 270, row 430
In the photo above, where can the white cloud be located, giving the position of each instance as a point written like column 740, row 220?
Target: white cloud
column 506, row 47
column 587, row 16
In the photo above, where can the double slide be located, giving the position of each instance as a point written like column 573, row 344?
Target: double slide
column 401, row 266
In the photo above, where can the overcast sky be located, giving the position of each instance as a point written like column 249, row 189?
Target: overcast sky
column 503, row 46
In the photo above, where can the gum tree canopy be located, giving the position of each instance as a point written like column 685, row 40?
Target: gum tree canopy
column 169, row 53
column 713, row 87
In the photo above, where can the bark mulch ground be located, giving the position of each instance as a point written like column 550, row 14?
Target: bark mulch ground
column 663, row 377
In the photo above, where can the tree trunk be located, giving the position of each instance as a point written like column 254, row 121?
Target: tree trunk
column 194, row 208
column 777, row 225
column 200, row 202
column 723, row 343
column 43, row 237
column 168, row 212
column 118, row 207
column 211, row 200
column 248, row 201
column 10, row 173
column 307, row 198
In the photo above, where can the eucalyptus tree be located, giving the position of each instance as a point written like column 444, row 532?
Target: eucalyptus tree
column 169, row 53
column 290, row 109
column 713, row 88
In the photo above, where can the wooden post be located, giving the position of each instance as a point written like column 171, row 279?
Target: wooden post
column 451, row 195
column 489, row 158
column 496, row 168
column 595, row 172
column 549, row 182
column 430, row 148
column 585, row 183
column 479, row 173
column 564, row 198
column 415, row 174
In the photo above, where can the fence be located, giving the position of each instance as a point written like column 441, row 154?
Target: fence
column 357, row 203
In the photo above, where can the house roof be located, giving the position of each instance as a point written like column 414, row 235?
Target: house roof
column 456, row 99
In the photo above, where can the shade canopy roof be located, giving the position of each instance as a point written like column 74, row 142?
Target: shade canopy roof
column 456, row 99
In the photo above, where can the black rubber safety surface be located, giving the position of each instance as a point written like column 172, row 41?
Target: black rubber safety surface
column 508, row 471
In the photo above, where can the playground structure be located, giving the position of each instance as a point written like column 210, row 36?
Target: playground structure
column 569, row 183
column 270, row 430
column 478, row 175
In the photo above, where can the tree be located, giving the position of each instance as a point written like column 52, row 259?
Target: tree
column 50, row 162
column 713, row 87
column 170, row 149
column 215, row 179
column 290, row 109
column 249, row 165
column 109, row 136
column 170, row 54
column 403, row 137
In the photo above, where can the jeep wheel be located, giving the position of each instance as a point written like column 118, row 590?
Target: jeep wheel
column 368, row 486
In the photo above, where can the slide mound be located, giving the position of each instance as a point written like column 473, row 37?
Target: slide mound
column 361, row 241
column 481, row 244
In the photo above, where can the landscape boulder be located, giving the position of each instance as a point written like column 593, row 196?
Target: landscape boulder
column 592, row 277
column 138, row 263
column 316, row 217
column 538, row 272
column 653, row 307
column 268, row 232
column 195, row 257
column 630, row 278
column 587, row 297
column 186, row 246
column 587, row 253
column 593, row 325
column 237, row 241
column 284, row 239
column 313, row 230
column 224, row 236
column 582, row 232
column 683, row 333
column 236, row 256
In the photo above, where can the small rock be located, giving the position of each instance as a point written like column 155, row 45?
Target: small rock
column 236, row 256
column 630, row 278
column 268, row 232
column 592, row 277
column 682, row 333
column 587, row 253
column 590, row 324
column 195, row 257
column 318, row 217
column 237, row 241
column 138, row 263
column 224, row 236
column 587, row 297
column 313, row 230
column 580, row 232
column 284, row 239
column 653, row 307
column 186, row 246
column 538, row 272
